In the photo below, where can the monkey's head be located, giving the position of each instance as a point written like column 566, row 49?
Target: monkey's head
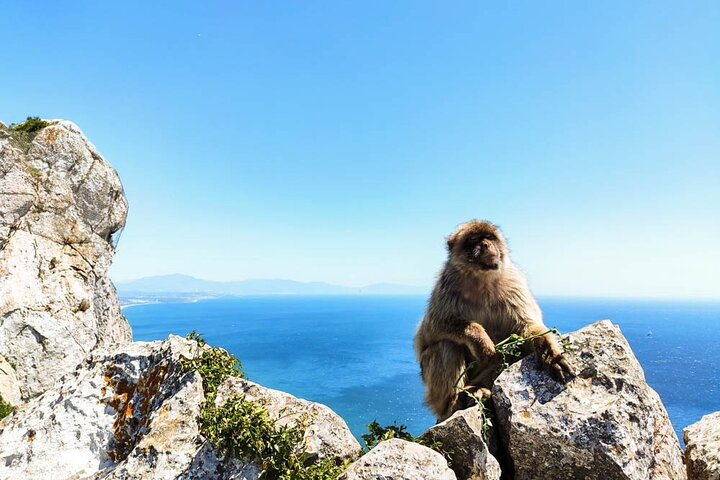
column 479, row 244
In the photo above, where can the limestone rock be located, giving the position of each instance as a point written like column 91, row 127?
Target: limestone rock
column 133, row 413
column 462, row 435
column 702, row 451
column 397, row 459
column 606, row 424
column 61, row 204
column 326, row 436
column 131, row 410
column 9, row 386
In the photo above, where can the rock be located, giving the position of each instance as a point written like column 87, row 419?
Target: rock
column 133, row 413
column 606, row 424
column 462, row 436
column 326, row 436
column 397, row 459
column 122, row 411
column 9, row 386
column 702, row 451
column 61, row 204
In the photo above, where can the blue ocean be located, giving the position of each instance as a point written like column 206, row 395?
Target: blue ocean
column 354, row 353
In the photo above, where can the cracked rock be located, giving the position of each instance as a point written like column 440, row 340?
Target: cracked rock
column 60, row 203
column 605, row 424
column 702, row 451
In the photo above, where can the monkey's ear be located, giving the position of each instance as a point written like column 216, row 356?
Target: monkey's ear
column 451, row 241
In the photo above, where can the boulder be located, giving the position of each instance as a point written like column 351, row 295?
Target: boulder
column 61, row 208
column 133, row 413
column 326, row 435
column 462, row 436
column 702, row 448
column 397, row 459
column 605, row 424
column 125, row 411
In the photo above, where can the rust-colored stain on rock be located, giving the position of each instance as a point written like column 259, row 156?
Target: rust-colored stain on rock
column 52, row 134
column 131, row 401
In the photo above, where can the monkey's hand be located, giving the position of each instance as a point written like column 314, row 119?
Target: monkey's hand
column 550, row 357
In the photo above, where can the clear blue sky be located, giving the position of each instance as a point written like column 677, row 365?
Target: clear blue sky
column 342, row 141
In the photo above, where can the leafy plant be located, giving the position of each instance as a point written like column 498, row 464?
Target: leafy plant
column 24, row 132
column 30, row 125
column 5, row 408
column 379, row 433
column 244, row 429
column 213, row 364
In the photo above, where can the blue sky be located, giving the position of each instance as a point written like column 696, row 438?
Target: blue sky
column 342, row 141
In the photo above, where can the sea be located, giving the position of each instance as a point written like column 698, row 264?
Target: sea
column 355, row 354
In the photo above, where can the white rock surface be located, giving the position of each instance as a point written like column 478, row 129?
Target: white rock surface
column 9, row 385
column 397, row 459
column 60, row 205
column 462, row 436
column 129, row 411
column 606, row 424
column 702, row 450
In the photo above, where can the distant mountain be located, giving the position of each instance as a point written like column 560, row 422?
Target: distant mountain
column 172, row 284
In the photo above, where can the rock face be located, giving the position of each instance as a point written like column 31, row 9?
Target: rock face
column 114, row 412
column 60, row 205
column 397, row 459
column 134, row 414
column 9, row 385
column 605, row 424
column 702, row 451
column 462, row 435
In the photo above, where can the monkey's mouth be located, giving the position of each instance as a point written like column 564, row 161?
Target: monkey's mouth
column 486, row 261
column 489, row 265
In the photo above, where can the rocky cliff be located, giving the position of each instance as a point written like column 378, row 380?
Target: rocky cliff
column 90, row 404
column 61, row 204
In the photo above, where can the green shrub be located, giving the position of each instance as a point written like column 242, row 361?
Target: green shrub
column 31, row 125
column 379, row 433
column 23, row 133
column 244, row 429
column 5, row 408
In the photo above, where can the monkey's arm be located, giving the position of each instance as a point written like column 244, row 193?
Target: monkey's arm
column 471, row 335
column 548, row 351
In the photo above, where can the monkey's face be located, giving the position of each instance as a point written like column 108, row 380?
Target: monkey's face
column 482, row 251
column 479, row 244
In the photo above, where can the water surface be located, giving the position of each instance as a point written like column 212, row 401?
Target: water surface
column 354, row 353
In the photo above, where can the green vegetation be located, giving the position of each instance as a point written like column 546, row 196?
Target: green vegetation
column 244, row 429
column 23, row 133
column 5, row 408
column 30, row 125
column 213, row 364
column 379, row 434
column 34, row 172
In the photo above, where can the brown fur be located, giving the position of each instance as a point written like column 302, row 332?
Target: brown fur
column 480, row 298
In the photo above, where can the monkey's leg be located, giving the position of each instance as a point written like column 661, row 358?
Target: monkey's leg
column 442, row 364
column 480, row 354
column 548, row 352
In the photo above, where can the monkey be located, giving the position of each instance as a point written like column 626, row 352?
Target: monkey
column 480, row 298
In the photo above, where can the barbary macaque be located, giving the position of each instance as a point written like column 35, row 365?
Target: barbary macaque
column 480, row 298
